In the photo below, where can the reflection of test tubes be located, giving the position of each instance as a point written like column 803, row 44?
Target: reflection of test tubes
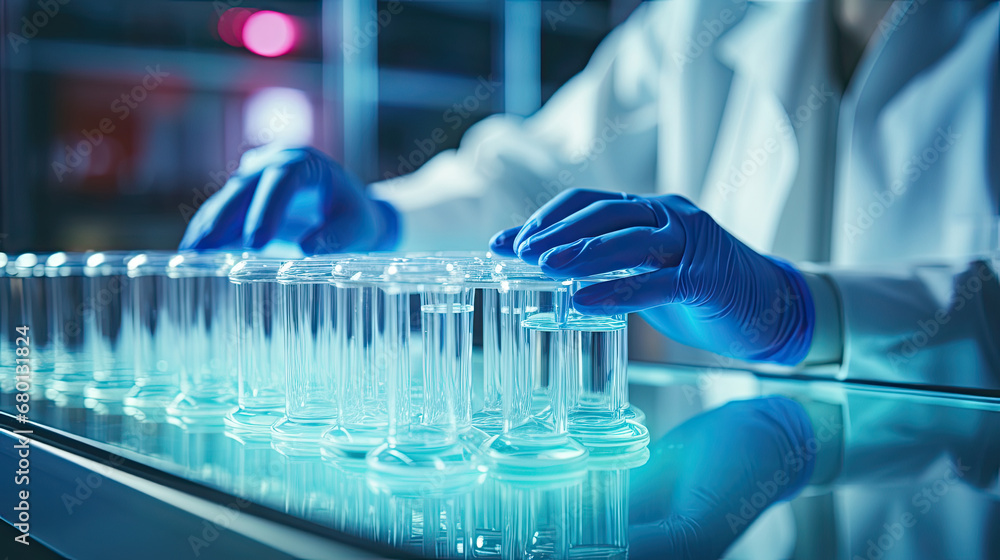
column 538, row 358
column 155, row 334
column 204, row 452
column 431, row 445
column 202, row 300
column 601, row 530
column 259, row 472
column 310, row 372
column 308, row 488
column 540, row 518
column 71, row 361
column 260, row 346
column 430, row 524
column 488, row 523
column 108, row 324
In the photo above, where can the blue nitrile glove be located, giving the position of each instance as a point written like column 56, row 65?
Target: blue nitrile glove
column 702, row 286
column 297, row 195
column 711, row 477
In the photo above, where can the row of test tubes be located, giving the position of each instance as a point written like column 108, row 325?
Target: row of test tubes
column 348, row 357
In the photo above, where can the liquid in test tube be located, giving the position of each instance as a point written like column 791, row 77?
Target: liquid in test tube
column 429, row 442
column 597, row 368
column 538, row 360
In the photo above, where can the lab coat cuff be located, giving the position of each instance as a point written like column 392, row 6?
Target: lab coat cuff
column 827, row 345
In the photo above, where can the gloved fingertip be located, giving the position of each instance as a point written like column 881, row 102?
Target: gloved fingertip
column 527, row 230
column 594, row 300
column 527, row 254
column 503, row 242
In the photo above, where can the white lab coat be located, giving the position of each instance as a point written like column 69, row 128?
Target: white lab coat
column 736, row 107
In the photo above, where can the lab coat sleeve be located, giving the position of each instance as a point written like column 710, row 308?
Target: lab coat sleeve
column 931, row 326
column 597, row 131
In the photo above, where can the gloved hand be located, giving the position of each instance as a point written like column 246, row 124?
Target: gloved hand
column 298, row 195
column 701, row 286
column 711, row 477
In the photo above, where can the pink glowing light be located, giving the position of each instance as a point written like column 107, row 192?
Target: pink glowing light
column 269, row 33
column 231, row 24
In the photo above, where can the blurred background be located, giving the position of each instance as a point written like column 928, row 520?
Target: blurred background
column 118, row 118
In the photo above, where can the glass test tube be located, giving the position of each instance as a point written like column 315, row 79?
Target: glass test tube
column 484, row 274
column 429, row 450
column 538, row 359
column 363, row 420
column 260, row 346
column 489, row 418
column 596, row 350
column 108, row 320
column 202, row 299
column 155, row 334
column 310, row 373
column 68, row 308
column 479, row 272
column 28, row 287
column 9, row 317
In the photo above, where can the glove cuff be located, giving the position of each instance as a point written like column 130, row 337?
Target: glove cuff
column 799, row 447
column 793, row 346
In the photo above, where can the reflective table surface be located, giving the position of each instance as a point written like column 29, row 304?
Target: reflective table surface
column 894, row 473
